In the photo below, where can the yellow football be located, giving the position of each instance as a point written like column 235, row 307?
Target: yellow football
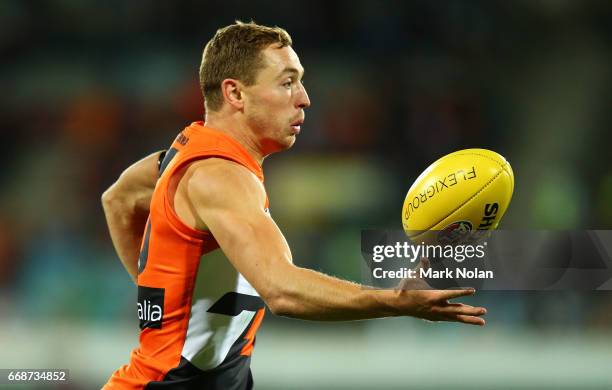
column 466, row 190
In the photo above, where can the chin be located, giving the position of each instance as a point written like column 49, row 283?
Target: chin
column 279, row 145
column 286, row 143
column 289, row 142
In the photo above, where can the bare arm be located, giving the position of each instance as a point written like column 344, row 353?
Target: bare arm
column 126, row 207
column 229, row 201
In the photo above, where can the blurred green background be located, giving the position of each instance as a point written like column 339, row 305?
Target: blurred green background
column 91, row 86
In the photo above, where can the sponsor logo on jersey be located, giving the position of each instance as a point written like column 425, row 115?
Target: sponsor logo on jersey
column 150, row 307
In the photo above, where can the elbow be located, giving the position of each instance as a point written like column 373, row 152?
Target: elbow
column 280, row 303
column 277, row 291
column 280, row 306
column 109, row 197
column 113, row 200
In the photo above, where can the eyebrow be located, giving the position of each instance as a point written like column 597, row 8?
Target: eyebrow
column 293, row 71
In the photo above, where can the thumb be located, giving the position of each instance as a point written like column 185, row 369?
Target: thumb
column 423, row 264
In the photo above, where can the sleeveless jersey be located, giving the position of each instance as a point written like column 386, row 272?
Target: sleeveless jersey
column 198, row 315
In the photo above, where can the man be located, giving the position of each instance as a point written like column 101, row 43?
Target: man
column 210, row 248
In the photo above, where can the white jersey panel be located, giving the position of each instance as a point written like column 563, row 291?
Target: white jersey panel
column 211, row 335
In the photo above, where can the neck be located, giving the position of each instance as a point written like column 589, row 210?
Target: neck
column 239, row 131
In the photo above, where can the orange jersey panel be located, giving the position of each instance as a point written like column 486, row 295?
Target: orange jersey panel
column 198, row 315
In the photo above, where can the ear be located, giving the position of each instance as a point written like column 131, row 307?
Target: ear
column 232, row 93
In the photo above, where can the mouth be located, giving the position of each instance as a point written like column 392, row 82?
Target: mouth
column 297, row 124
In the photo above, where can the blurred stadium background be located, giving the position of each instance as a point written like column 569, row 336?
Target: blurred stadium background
column 91, row 86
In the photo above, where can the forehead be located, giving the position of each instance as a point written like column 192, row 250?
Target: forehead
column 277, row 60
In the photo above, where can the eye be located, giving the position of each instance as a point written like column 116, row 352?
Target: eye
column 288, row 83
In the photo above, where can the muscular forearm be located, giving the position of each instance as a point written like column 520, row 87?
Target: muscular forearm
column 126, row 224
column 126, row 207
column 310, row 295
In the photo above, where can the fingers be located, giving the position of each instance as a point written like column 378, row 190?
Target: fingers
column 450, row 294
column 454, row 309
column 459, row 312
column 462, row 318
column 471, row 320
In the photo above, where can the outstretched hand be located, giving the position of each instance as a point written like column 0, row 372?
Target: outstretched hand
column 417, row 299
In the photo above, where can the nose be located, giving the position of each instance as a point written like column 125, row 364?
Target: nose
column 302, row 101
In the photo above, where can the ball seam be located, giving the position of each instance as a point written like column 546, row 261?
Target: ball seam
column 485, row 156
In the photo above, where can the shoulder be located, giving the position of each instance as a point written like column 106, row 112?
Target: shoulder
column 218, row 181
